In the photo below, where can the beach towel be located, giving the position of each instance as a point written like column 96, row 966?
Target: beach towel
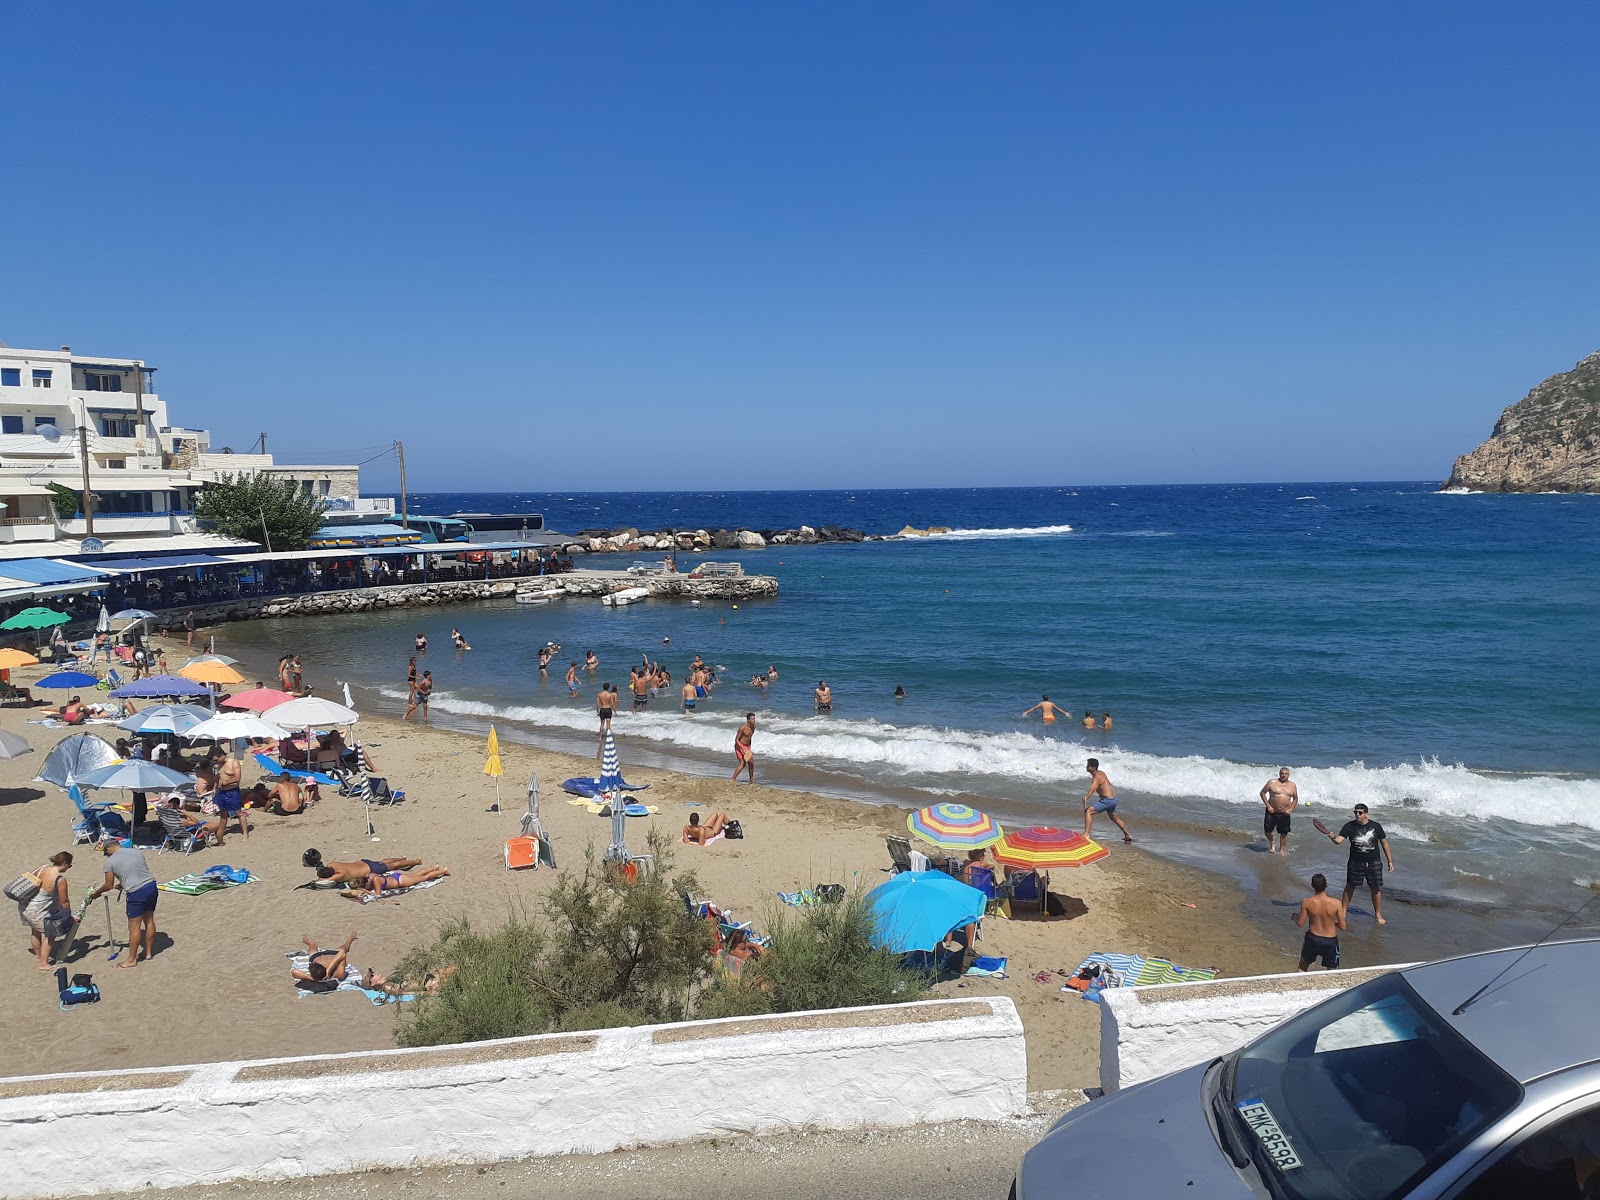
column 686, row 838
column 299, row 960
column 992, row 968
column 796, row 899
column 367, row 897
column 1136, row 970
column 199, row 885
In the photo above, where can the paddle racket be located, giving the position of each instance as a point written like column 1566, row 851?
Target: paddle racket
column 1320, row 827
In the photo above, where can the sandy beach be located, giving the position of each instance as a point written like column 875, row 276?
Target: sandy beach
column 218, row 987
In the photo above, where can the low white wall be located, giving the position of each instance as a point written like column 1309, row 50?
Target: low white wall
column 1146, row 1032
column 896, row 1065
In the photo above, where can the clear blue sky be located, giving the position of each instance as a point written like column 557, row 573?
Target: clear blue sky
column 671, row 245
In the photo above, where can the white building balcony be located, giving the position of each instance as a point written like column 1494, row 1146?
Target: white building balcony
column 27, row 529
column 119, row 524
column 117, row 400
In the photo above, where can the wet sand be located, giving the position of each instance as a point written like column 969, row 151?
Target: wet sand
column 218, row 987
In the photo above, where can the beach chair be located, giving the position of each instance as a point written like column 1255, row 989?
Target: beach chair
column 1022, row 888
column 175, row 835
column 899, row 854
column 11, row 695
column 95, row 821
column 982, row 878
column 113, row 679
column 372, row 789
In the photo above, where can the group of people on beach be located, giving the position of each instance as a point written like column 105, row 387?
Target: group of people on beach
column 1051, row 712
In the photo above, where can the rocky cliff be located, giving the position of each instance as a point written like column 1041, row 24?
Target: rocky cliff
column 1549, row 441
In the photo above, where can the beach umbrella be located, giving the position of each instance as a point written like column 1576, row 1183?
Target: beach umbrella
column 916, row 909
column 1044, row 848
column 611, row 785
column 73, row 757
column 226, row 727
column 164, row 718
column 35, row 618
column 213, row 658
column 133, row 616
column 492, row 765
column 134, row 775
column 67, row 680
column 305, row 711
column 160, row 687
column 210, row 672
column 954, row 827
column 10, row 658
column 258, row 699
column 13, row 745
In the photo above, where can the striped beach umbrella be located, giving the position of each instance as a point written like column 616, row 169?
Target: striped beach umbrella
column 954, row 827
column 611, row 785
column 1045, row 848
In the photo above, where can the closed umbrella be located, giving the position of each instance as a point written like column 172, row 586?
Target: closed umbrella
column 210, row 672
column 492, row 765
column 916, row 909
column 258, row 699
column 13, row 745
column 1045, row 848
column 35, row 618
column 10, row 658
column 164, row 718
column 954, row 827
column 102, row 623
column 158, row 687
column 611, row 785
column 74, row 757
column 68, row 680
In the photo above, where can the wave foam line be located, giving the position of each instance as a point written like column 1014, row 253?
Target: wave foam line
column 959, row 535
column 964, row 760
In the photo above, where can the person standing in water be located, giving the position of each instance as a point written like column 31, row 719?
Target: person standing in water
column 743, row 754
column 824, row 697
column 1088, row 719
column 1369, row 846
column 1280, row 796
column 572, row 679
column 1101, row 799
column 1049, row 710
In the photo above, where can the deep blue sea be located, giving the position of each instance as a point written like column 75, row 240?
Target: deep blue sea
column 1436, row 656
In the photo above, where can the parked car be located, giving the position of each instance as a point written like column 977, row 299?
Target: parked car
column 1472, row 1078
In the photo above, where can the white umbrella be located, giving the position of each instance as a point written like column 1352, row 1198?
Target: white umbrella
column 103, row 623
column 309, row 712
column 132, row 616
column 234, row 726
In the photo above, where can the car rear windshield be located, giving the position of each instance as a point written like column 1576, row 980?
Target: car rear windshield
column 1363, row 1095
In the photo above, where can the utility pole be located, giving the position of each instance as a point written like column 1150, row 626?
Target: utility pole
column 138, row 407
column 400, row 453
column 263, row 441
column 88, row 496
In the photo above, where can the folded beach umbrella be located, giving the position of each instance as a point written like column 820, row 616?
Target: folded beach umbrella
column 258, row 699
column 492, row 765
column 133, row 775
column 1045, row 848
column 13, row 745
column 102, row 623
column 10, row 658
column 132, row 616
column 232, row 727
column 74, row 757
column 210, row 672
column 158, row 687
column 954, row 827
column 35, row 618
column 66, row 681
column 164, row 718
column 916, row 909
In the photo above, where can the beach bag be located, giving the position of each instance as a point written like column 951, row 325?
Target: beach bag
column 733, row 830
column 225, row 872
column 829, row 893
column 58, row 923
column 82, row 991
column 23, row 888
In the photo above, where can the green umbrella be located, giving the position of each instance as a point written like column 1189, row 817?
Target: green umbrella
column 35, row 618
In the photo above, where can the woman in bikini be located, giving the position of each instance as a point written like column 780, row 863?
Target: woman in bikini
column 696, row 832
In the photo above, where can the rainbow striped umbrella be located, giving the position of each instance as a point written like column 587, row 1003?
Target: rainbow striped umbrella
column 954, row 827
column 1044, row 848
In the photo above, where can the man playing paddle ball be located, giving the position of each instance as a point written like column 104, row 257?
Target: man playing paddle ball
column 1322, row 917
column 1280, row 796
column 1366, row 840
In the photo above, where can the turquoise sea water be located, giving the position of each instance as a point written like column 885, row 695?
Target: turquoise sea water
column 1432, row 655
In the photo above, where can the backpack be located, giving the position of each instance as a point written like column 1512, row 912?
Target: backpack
column 733, row 830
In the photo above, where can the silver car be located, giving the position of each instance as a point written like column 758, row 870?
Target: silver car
column 1474, row 1078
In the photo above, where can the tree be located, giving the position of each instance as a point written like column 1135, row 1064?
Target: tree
column 66, row 501
column 259, row 508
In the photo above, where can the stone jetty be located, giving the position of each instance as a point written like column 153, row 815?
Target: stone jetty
column 630, row 540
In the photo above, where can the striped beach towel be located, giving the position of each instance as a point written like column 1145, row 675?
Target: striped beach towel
column 1139, row 971
column 199, row 885
column 367, row 897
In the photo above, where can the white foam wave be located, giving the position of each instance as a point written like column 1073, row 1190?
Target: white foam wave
column 1052, row 768
column 959, row 535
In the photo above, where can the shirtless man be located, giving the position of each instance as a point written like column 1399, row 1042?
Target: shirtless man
column 1280, row 796
column 288, row 797
column 1088, row 720
column 605, row 705
column 1101, row 798
column 325, row 966
column 354, row 872
column 230, row 803
column 690, row 694
column 1325, row 917
column 824, row 696
column 639, row 685
column 743, row 755
column 1049, row 710
column 572, row 679
column 419, row 696
column 1105, row 720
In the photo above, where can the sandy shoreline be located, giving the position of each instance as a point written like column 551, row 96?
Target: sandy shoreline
column 219, row 989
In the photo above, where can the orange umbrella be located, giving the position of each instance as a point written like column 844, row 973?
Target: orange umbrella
column 1044, row 848
column 211, row 672
column 15, row 658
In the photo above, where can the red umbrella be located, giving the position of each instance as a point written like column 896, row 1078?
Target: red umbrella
column 257, row 699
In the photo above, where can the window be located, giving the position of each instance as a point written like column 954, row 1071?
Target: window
column 43, row 424
column 41, row 379
column 116, row 464
column 10, row 376
column 1561, row 1162
column 101, row 381
column 118, row 427
column 10, row 424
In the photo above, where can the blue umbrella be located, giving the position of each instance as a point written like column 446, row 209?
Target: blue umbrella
column 157, row 686
column 916, row 909
column 134, row 775
column 165, row 718
column 67, row 680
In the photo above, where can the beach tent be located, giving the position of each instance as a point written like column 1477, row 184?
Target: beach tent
column 13, row 745
column 916, row 909
column 75, row 757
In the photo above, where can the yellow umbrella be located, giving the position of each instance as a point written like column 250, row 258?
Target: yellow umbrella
column 15, row 658
column 211, row 672
column 492, row 766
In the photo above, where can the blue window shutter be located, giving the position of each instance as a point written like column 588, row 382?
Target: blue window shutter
column 10, row 376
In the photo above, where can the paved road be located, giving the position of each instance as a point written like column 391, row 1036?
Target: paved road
column 957, row 1161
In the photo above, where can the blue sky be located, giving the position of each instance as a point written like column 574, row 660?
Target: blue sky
column 671, row 245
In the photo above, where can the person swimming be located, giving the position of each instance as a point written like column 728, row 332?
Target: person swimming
column 899, row 692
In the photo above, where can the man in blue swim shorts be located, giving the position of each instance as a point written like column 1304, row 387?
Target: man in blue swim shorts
column 128, row 871
column 1101, row 799
column 689, row 696
column 229, row 802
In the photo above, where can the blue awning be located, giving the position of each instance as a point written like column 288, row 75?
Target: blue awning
column 127, row 566
column 45, row 570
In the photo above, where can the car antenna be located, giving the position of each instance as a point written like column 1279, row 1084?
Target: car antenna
column 1565, row 921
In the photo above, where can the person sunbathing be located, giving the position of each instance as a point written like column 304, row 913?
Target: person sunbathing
column 393, row 986
column 326, row 968
column 388, row 881
column 696, row 832
column 355, row 872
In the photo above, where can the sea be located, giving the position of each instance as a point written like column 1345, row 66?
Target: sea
column 1435, row 656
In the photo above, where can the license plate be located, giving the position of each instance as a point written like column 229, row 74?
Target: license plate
column 1279, row 1149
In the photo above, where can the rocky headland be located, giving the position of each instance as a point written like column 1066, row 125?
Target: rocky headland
column 1549, row 441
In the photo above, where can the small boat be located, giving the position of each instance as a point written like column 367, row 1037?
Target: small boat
column 625, row 596
column 532, row 598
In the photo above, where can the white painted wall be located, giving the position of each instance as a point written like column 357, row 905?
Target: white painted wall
column 634, row 1087
column 1147, row 1032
